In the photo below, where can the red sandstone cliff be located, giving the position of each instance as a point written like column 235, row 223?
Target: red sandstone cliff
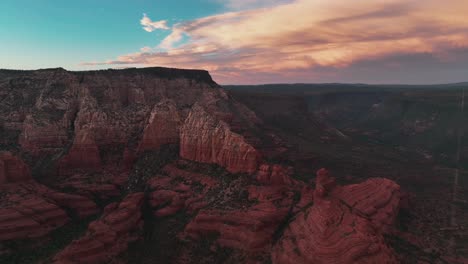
column 203, row 138
column 162, row 127
column 94, row 126
column 78, row 116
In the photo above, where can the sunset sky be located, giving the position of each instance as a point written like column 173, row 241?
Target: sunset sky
column 245, row 41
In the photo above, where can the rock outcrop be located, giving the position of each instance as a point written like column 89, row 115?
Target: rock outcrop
column 83, row 154
column 94, row 136
column 106, row 186
column 30, row 217
column 109, row 236
column 30, row 210
column 12, row 168
column 375, row 199
column 169, row 196
column 250, row 229
column 203, row 138
column 273, row 174
column 162, row 127
column 96, row 119
column 333, row 230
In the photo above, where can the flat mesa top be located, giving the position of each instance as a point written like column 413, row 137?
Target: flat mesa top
column 161, row 72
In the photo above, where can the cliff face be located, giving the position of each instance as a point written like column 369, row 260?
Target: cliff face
column 162, row 127
column 77, row 142
column 77, row 116
column 206, row 139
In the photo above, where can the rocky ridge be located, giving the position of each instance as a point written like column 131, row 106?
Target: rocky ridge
column 81, row 134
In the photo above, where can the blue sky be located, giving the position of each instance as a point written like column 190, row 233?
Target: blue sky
column 244, row 41
column 52, row 33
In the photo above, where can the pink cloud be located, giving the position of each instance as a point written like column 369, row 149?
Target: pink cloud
column 305, row 35
column 251, row 4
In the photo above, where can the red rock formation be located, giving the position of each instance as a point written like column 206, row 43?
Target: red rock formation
column 3, row 176
column 30, row 210
column 205, row 139
column 81, row 206
column 108, row 236
column 332, row 231
column 14, row 225
column 105, row 186
column 83, row 154
column 135, row 110
column 250, row 229
column 13, row 169
column 307, row 198
column 25, row 214
column 162, row 127
column 274, row 175
column 128, row 159
column 376, row 199
column 39, row 135
column 169, row 196
column 189, row 176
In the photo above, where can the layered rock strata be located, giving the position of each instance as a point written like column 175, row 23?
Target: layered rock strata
column 90, row 120
column 203, row 138
column 109, row 236
column 31, row 210
column 334, row 230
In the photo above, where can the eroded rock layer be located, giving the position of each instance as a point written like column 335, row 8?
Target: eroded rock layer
column 162, row 127
column 250, row 229
column 93, row 136
column 206, row 139
column 334, row 231
column 30, row 210
column 108, row 236
column 90, row 120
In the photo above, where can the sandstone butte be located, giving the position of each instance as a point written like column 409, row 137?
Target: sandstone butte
column 73, row 126
column 77, row 116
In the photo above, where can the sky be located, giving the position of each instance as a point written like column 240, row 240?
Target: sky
column 245, row 41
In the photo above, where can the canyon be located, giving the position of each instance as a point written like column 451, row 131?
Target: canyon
column 165, row 165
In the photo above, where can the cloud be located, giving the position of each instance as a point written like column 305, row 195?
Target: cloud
column 299, row 39
column 150, row 26
column 237, row 5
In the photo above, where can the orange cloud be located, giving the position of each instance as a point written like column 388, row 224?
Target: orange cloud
column 304, row 35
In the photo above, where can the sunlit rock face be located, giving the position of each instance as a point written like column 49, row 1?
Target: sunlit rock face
column 78, row 117
column 137, row 147
column 207, row 139
column 82, row 132
column 344, row 225
column 162, row 127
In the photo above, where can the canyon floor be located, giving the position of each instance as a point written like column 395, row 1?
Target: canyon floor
column 161, row 165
